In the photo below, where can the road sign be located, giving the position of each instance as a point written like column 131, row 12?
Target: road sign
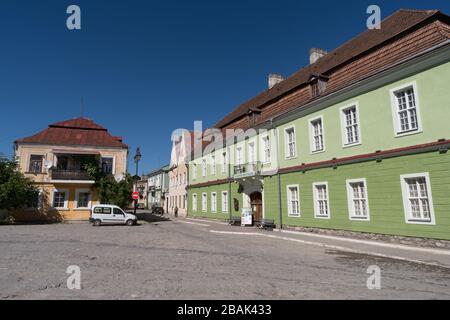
column 135, row 195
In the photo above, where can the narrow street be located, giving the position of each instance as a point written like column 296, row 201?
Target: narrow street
column 192, row 259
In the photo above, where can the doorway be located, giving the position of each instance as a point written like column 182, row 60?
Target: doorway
column 256, row 203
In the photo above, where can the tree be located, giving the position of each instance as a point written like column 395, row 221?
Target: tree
column 110, row 191
column 16, row 191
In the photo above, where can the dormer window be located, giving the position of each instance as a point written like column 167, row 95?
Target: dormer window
column 253, row 115
column 318, row 84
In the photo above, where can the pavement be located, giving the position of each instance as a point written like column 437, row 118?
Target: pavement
column 200, row 259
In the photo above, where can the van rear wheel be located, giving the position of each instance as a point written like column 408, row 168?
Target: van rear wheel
column 97, row 223
column 130, row 223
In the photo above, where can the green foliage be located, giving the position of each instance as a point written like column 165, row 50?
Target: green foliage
column 16, row 191
column 110, row 191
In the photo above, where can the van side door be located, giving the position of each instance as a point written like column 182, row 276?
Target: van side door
column 118, row 216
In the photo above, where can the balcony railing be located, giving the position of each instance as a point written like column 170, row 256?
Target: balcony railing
column 71, row 175
column 247, row 170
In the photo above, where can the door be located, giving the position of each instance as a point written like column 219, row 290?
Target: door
column 256, row 203
column 118, row 216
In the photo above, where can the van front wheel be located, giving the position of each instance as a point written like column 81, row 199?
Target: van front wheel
column 97, row 223
column 130, row 223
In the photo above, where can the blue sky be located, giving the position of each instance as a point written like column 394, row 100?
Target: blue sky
column 145, row 68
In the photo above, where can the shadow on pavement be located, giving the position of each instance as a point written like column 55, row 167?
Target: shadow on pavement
column 151, row 218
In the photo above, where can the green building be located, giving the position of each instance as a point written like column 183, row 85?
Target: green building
column 357, row 140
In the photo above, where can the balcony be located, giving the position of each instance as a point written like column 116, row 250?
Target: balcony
column 70, row 175
column 247, row 170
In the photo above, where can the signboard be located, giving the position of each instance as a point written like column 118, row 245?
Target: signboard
column 135, row 195
column 246, row 217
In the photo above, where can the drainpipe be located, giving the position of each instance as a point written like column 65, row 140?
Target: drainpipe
column 229, row 183
column 280, row 206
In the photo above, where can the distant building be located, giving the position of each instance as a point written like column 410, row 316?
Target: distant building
column 54, row 159
column 178, row 174
column 158, row 187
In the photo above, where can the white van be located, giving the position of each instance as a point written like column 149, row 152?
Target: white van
column 110, row 214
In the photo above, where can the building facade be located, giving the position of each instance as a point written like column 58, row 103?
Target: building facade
column 54, row 159
column 178, row 174
column 158, row 188
column 356, row 141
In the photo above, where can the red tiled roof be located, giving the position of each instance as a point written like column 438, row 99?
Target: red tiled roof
column 75, row 132
column 391, row 27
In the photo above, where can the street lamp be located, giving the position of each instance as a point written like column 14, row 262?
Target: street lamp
column 137, row 158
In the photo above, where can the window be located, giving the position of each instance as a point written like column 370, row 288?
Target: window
column 316, row 134
column 102, row 210
column 239, row 156
column 405, row 110
column 321, row 202
column 60, row 199
column 293, row 201
column 417, row 198
column 204, row 168
column 224, row 162
column 194, row 202
column 108, row 165
column 251, row 152
column 204, row 202
column 350, row 126
column 213, row 202
column 266, row 149
column 194, row 171
column 224, row 201
column 358, row 202
column 119, row 212
column 35, row 164
column 213, row 165
column 83, row 199
column 290, row 150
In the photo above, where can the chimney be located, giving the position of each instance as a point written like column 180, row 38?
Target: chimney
column 315, row 54
column 274, row 79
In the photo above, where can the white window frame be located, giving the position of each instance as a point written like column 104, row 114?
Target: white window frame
column 77, row 198
column 287, row 154
column 204, row 202
column 265, row 159
column 214, row 202
column 240, row 156
column 316, row 200
column 405, row 195
column 224, row 162
column 351, row 208
column 251, row 145
column 394, row 107
column 194, row 202
column 213, row 165
column 66, row 200
column 204, row 168
column 289, row 200
column 311, row 135
column 224, row 203
column 194, row 171
column 107, row 156
column 345, row 143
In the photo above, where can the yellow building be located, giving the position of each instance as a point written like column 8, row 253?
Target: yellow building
column 54, row 158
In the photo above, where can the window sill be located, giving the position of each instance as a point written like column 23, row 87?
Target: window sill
column 294, row 216
column 346, row 146
column 317, row 152
column 407, row 133
column 323, row 217
column 363, row 219
column 422, row 222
